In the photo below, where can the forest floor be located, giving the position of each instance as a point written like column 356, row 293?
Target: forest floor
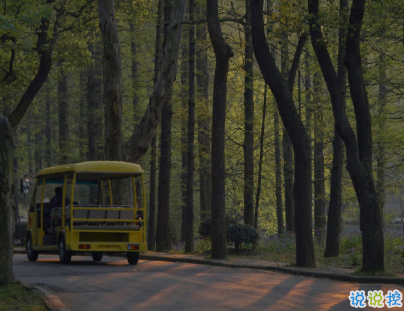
column 282, row 250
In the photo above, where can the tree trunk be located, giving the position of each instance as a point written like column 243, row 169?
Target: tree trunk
column 151, row 229
column 257, row 200
column 319, row 189
column 297, row 133
column 48, row 126
column 309, row 113
column 248, row 122
column 99, row 106
column 30, row 147
column 83, row 117
column 38, row 151
column 6, row 220
column 184, row 136
column 202, row 81
column 135, row 75
column 15, row 186
column 222, row 53
column 189, row 229
column 381, row 128
column 63, row 116
column 289, row 215
column 334, row 224
column 334, row 209
column 359, row 164
column 91, row 107
column 44, row 50
column 163, row 236
column 113, row 80
column 287, row 150
column 358, row 148
column 158, row 57
column 145, row 131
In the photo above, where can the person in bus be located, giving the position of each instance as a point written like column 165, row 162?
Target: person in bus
column 57, row 200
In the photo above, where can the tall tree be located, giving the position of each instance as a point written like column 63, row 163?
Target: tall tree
column 248, row 122
column 91, row 105
column 83, row 116
column 45, row 47
column 184, row 133
column 286, row 148
column 63, row 114
column 158, row 57
column 335, row 206
column 135, row 73
column 202, row 93
column 359, row 146
column 189, row 207
column 319, row 187
column 184, row 93
column 99, row 106
column 282, row 90
column 143, row 134
column 381, row 128
column 113, row 80
column 163, row 237
column 7, row 228
column 48, row 127
column 260, row 162
column 309, row 110
column 223, row 53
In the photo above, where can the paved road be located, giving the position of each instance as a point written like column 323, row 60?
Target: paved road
column 154, row 285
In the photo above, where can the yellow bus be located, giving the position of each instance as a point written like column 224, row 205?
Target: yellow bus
column 94, row 207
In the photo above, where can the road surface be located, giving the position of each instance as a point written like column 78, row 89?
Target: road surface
column 154, row 285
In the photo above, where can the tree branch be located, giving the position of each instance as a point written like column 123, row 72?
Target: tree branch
column 296, row 59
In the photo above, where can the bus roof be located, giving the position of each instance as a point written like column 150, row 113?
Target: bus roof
column 94, row 167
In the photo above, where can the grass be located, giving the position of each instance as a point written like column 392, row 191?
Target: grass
column 16, row 296
column 282, row 250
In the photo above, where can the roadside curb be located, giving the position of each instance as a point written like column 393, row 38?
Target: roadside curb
column 51, row 300
column 291, row 270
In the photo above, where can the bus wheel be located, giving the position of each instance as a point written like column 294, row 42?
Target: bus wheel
column 64, row 255
column 96, row 256
column 133, row 258
column 31, row 254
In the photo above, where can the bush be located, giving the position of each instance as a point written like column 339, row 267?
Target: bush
column 205, row 228
column 242, row 234
column 236, row 233
column 20, row 232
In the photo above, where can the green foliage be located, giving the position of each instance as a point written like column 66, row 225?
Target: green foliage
column 393, row 242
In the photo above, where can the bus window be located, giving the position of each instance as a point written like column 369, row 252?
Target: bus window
column 86, row 192
column 118, row 191
column 104, row 192
column 36, row 197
